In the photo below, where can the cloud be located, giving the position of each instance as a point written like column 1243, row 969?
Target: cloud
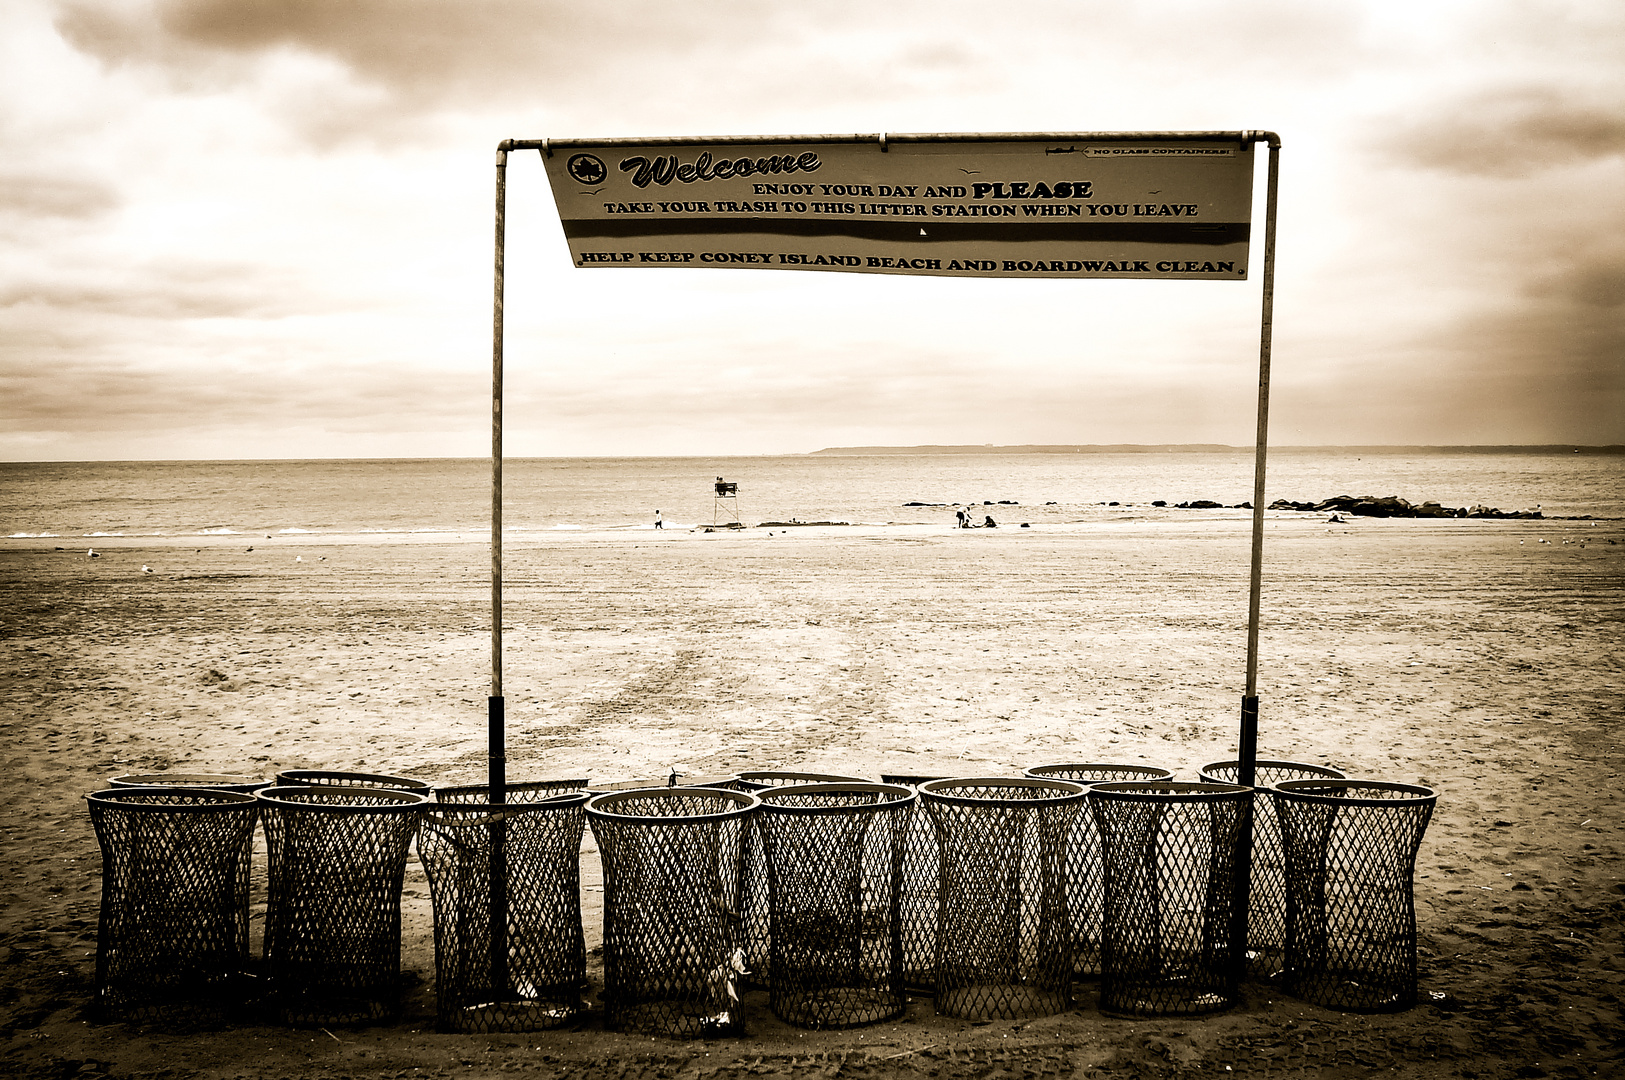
column 414, row 46
column 1595, row 285
column 1512, row 133
column 1457, row 263
column 663, row 63
column 98, row 395
column 27, row 196
column 167, row 290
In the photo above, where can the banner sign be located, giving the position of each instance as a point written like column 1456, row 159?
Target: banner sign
column 952, row 206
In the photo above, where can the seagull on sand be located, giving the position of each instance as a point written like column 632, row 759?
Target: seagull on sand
column 93, row 553
column 145, row 569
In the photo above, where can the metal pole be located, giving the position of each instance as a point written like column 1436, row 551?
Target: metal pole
column 497, row 758
column 1248, row 743
column 1247, row 749
column 496, row 718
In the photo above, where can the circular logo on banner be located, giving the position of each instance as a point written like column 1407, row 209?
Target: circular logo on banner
column 587, row 169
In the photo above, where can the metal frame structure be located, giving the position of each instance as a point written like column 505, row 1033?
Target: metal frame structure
column 1247, row 742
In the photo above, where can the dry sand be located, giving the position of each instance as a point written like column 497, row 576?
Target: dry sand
column 1464, row 655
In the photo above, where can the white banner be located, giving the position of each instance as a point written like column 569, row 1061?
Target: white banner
column 1002, row 206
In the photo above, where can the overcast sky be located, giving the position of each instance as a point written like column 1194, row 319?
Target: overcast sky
column 263, row 228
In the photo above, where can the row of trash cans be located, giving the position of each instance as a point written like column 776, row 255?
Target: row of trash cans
column 839, row 895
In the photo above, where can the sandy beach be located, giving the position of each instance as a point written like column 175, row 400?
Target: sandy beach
column 1465, row 655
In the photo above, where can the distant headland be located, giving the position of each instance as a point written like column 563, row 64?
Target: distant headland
column 1212, row 448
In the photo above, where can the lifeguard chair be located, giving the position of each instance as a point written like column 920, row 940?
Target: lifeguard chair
column 725, row 500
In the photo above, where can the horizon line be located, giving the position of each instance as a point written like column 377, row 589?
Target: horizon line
column 922, row 449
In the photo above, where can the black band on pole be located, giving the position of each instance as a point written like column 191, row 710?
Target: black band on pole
column 1247, row 767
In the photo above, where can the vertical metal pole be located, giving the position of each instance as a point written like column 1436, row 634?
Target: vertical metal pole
column 496, row 718
column 1248, row 744
column 497, row 758
column 1247, row 748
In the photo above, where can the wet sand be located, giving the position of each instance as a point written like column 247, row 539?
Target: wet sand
column 1463, row 655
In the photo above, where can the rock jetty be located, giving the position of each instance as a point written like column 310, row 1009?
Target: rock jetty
column 1394, row 506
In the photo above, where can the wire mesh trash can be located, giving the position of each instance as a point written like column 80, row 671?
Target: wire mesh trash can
column 1266, row 903
column 214, row 781
column 505, row 881
column 326, row 778
column 525, row 791
column 918, row 902
column 1172, row 852
column 1085, row 871
column 1004, row 950
column 755, row 934
column 336, row 863
column 1351, row 905
column 835, row 870
column 172, row 941
column 672, row 958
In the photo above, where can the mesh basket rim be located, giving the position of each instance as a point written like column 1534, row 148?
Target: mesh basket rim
column 606, row 786
column 141, row 797
column 1048, row 772
column 746, row 802
column 327, row 778
column 910, row 779
column 283, row 798
column 438, row 811
column 1302, row 791
column 1063, row 791
column 568, row 786
column 803, row 778
column 1167, row 791
column 1330, row 772
column 219, row 781
column 903, row 797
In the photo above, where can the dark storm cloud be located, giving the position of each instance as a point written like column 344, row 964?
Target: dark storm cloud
column 1511, row 133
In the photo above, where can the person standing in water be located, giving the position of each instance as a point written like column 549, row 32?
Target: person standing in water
column 658, row 524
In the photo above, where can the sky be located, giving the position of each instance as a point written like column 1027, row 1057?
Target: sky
column 263, row 228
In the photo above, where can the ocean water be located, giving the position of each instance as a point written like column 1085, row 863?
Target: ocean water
column 347, row 497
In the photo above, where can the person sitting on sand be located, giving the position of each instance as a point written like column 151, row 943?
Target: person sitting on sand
column 990, row 523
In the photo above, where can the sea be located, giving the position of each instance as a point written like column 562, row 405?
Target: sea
column 42, row 500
